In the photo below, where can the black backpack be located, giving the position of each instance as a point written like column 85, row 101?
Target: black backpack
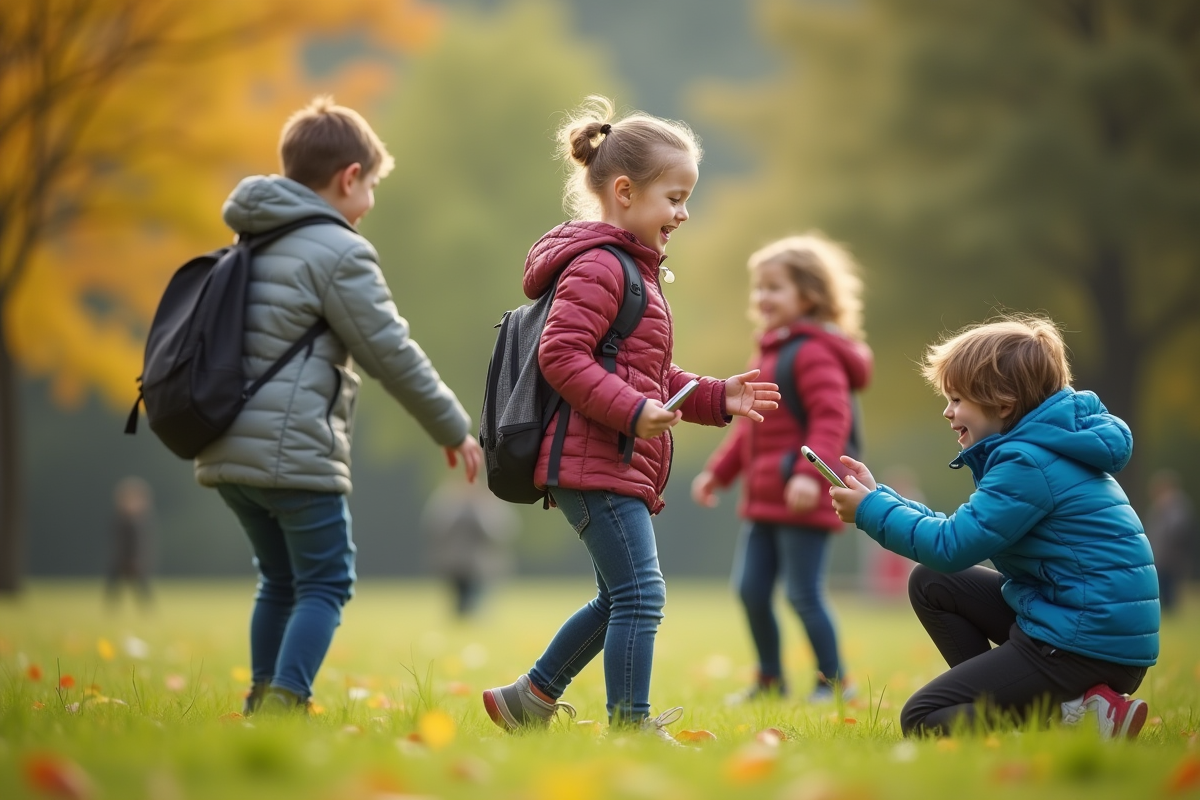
column 518, row 403
column 785, row 377
column 192, row 379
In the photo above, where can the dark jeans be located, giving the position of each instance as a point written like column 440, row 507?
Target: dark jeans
column 964, row 612
column 305, row 561
column 767, row 551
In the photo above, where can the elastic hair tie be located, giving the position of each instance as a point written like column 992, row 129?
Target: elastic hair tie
column 605, row 129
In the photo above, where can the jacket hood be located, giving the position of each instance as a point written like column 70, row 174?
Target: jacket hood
column 855, row 356
column 557, row 248
column 262, row 202
column 1072, row 424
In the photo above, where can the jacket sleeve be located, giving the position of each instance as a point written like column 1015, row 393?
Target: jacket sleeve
column 585, row 305
column 360, row 310
column 824, row 391
column 706, row 405
column 1012, row 497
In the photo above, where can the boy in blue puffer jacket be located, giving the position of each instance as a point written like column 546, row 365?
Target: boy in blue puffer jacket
column 1072, row 603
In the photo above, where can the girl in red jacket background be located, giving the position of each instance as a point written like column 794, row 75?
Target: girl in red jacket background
column 804, row 289
column 628, row 186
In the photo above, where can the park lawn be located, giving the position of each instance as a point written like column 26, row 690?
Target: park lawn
column 123, row 703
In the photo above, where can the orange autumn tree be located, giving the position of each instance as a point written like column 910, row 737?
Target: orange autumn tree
column 123, row 125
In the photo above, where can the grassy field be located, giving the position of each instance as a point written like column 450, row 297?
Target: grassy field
column 124, row 703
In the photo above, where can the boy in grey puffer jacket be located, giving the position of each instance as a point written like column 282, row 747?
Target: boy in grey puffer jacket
column 284, row 464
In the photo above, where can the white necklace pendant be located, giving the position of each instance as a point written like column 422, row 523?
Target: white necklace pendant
column 667, row 275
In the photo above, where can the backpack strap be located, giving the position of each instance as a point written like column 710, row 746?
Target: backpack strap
column 785, row 377
column 264, row 238
column 633, row 307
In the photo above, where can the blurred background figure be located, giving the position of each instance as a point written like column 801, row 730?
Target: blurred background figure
column 1171, row 528
column 884, row 574
column 469, row 532
column 132, row 540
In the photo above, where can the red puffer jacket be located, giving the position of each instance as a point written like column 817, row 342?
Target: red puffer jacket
column 828, row 366
column 605, row 404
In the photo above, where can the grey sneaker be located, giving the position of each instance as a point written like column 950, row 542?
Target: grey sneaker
column 254, row 699
column 516, row 706
column 278, row 701
column 657, row 725
column 828, row 692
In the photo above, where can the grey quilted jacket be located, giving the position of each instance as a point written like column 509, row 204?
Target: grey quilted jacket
column 295, row 432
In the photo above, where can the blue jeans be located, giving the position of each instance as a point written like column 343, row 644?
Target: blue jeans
column 622, row 620
column 765, row 550
column 305, row 560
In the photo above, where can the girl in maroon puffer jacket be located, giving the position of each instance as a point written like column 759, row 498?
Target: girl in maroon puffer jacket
column 633, row 177
column 801, row 286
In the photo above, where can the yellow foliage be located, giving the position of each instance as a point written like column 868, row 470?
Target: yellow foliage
column 124, row 124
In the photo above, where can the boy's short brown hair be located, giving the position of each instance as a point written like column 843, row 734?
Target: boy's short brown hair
column 1015, row 360
column 323, row 138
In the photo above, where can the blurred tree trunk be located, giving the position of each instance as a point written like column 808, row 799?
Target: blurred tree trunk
column 12, row 516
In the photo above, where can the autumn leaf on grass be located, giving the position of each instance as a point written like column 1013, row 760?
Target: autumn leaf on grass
column 58, row 777
column 1185, row 776
column 751, row 764
column 33, row 672
column 436, row 729
column 105, row 649
column 66, row 682
column 699, row 736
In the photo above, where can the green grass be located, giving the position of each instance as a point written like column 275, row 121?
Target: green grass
column 401, row 665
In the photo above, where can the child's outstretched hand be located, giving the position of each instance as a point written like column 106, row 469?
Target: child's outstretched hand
column 472, row 456
column 859, row 483
column 746, row 397
column 704, row 489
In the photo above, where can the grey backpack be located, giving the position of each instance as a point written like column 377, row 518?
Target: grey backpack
column 518, row 403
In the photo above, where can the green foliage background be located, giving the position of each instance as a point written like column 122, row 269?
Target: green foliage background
column 975, row 156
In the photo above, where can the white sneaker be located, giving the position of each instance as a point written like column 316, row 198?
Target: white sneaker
column 656, row 726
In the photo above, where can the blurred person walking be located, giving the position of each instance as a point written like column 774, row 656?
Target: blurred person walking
column 132, row 555
column 1171, row 529
column 469, row 533
column 283, row 466
column 805, row 297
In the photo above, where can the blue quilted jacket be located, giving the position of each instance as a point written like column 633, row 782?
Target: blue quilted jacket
column 1054, row 522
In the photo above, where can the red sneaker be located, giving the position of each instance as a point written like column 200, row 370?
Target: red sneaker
column 1118, row 716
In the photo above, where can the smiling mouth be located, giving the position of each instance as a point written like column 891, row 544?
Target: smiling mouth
column 666, row 233
column 962, row 432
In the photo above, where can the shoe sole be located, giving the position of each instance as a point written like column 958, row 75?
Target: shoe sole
column 1135, row 718
column 493, row 710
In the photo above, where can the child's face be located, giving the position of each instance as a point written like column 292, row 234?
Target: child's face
column 776, row 296
column 970, row 420
column 653, row 212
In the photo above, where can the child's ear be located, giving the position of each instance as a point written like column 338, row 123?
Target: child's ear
column 1004, row 412
column 623, row 189
column 347, row 176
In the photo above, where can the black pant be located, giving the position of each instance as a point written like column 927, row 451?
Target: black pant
column 963, row 613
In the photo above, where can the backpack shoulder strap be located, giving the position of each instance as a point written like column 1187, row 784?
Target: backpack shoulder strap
column 785, row 377
column 264, row 238
column 633, row 307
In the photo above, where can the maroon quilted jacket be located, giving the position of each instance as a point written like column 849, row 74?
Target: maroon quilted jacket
column 828, row 366
column 605, row 404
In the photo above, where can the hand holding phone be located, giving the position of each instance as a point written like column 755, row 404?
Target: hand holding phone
column 675, row 402
column 822, row 468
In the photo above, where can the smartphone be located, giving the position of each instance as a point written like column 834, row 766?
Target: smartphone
column 675, row 402
column 821, row 466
